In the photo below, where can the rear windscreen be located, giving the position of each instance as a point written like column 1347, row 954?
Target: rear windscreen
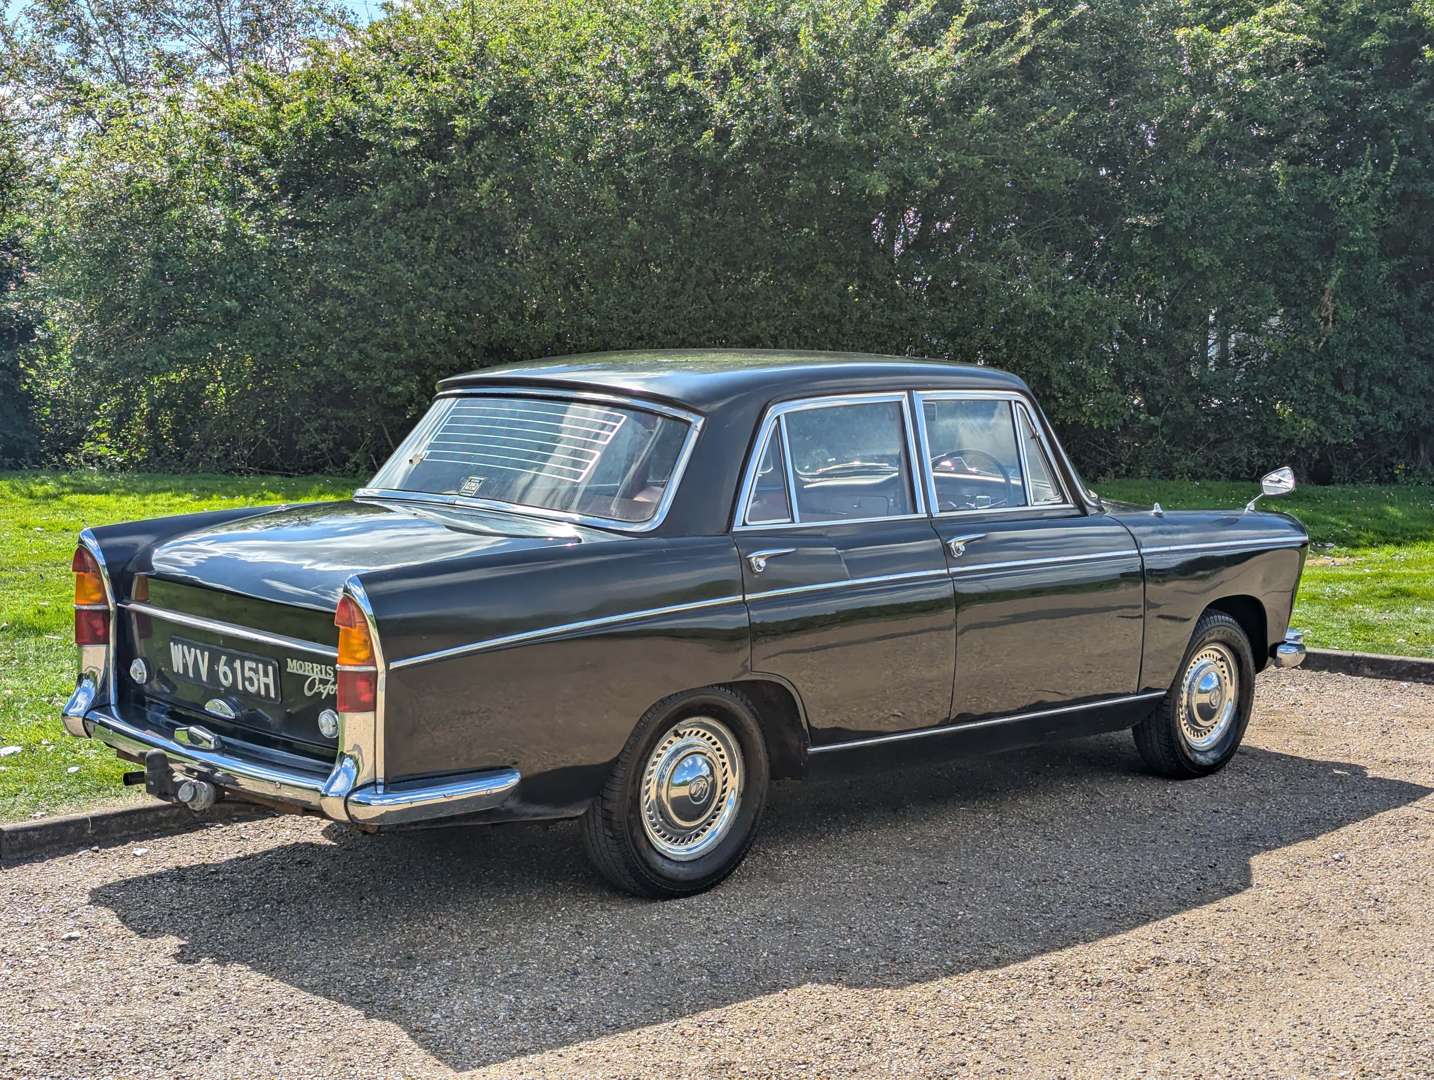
column 597, row 460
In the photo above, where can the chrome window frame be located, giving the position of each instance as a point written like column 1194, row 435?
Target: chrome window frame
column 774, row 421
column 780, row 432
column 1017, row 401
column 1021, row 407
column 426, row 426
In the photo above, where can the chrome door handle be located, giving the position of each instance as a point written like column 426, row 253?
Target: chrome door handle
column 758, row 559
column 957, row 544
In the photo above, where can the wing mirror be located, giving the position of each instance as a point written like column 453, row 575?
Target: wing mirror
column 1279, row 482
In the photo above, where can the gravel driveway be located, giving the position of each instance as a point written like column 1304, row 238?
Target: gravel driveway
column 1053, row 912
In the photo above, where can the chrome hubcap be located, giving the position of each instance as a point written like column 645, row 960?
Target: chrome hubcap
column 1209, row 695
column 691, row 788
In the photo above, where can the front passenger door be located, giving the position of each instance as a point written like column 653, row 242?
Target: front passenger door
column 846, row 583
column 1049, row 598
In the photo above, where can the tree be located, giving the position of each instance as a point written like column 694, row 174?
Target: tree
column 17, row 444
column 75, row 63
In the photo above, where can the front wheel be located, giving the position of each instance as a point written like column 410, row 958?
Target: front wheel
column 681, row 807
column 1198, row 726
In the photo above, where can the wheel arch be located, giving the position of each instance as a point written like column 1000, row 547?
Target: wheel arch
column 779, row 712
column 783, row 722
column 1250, row 613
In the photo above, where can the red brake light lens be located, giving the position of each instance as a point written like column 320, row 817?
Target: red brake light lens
column 357, row 673
column 357, row 690
column 92, row 626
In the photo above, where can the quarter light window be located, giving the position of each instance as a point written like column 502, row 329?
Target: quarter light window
column 849, row 461
column 596, row 460
column 1045, row 488
column 769, row 503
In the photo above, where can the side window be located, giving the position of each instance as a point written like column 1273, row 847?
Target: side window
column 768, row 503
column 975, row 460
column 1045, row 488
column 849, row 461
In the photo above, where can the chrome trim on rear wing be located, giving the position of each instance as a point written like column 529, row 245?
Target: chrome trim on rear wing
column 96, row 678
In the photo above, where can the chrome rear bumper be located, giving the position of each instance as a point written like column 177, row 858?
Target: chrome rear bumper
column 333, row 795
column 1290, row 652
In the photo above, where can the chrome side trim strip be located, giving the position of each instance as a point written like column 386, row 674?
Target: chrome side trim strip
column 557, row 631
column 1045, row 561
column 847, row 583
column 199, row 622
column 489, row 644
column 1242, row 542
column 947, row 729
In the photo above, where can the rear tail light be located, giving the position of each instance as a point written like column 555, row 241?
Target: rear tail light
column 357, row 671
column 92, row 610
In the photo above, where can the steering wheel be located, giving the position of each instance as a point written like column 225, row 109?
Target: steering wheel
column 966, row 454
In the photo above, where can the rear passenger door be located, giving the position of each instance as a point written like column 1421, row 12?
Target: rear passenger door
column 846, row 581
column 1049, row 598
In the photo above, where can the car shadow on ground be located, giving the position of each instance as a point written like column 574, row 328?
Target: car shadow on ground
column 487, row 944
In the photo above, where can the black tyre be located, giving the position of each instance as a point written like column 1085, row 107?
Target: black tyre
column 1197, row 727
column 681, row 807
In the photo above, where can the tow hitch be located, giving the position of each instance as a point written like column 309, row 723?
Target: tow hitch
column 159, row 780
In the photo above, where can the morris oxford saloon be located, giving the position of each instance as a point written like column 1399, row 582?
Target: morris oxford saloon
column 635, row 588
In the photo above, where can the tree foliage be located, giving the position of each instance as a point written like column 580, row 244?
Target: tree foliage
column 1198, row 230
column 17, row 433
column 77, row 61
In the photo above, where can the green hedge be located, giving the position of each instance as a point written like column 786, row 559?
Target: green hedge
column 1200, row 231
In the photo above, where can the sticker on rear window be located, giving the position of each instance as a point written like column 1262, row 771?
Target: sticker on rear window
column 471, row 484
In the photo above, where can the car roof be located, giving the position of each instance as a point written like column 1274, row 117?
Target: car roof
column 706, row 379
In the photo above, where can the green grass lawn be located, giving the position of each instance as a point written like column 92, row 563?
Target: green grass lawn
column 1369, row 585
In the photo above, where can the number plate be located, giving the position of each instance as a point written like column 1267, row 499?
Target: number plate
column 224, row 670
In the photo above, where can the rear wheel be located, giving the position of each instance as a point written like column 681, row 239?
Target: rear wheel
column 684, row 799
column 1198, row 726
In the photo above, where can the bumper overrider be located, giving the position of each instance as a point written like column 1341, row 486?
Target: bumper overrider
column 1290, row 653
column 192, row 765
